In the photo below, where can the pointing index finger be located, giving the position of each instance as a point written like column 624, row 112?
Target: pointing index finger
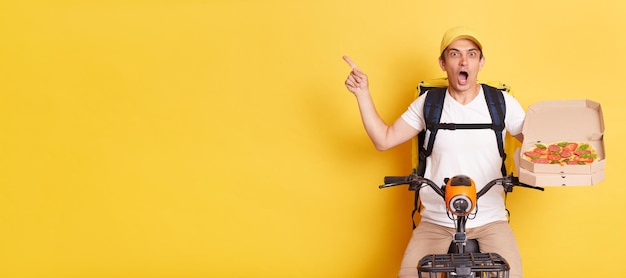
column 350, row 62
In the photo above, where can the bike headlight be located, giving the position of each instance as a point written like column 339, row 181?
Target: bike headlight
column 460, row 195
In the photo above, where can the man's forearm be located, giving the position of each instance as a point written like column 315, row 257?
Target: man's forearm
column 374, row 125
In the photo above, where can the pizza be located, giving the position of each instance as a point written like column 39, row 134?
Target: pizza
column 563, row 153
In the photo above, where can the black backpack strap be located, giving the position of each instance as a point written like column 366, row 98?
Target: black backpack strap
column 433, row 106
column 451, row 126
column 416, row 206
column 497, row 110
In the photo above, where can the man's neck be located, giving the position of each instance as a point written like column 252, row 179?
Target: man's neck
column 465, row 97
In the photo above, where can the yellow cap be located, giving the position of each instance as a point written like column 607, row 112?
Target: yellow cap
column 459, row 32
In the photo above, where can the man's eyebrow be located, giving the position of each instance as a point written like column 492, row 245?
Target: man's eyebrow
column 470, row 49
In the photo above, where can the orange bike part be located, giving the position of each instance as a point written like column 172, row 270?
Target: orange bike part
column 460, row 195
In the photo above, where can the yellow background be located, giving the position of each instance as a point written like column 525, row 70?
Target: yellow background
column 216, row 139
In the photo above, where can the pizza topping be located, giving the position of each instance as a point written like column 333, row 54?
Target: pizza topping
column 554, row 148
column 554, row 157
column 566, row 153
column 532, row 155
column 543, row 150
column 563, row 153
column 541, row 160
column 570, row 147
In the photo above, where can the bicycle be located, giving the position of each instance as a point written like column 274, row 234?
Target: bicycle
column 463, row 259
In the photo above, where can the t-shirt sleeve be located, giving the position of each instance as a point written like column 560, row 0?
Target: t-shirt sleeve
column 515, row 115
column 414, row 115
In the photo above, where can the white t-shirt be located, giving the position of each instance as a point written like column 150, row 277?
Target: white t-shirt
column 470, row 152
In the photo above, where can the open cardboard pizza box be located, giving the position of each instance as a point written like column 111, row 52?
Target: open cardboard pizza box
column 549, row 122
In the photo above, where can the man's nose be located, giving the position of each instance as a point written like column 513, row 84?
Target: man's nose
column 463, row 60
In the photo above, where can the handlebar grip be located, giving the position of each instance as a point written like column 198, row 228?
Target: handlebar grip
column 396, row 179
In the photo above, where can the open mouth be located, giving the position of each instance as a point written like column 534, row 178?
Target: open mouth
column 463, row 75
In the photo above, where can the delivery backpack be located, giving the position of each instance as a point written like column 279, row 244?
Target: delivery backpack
column 433, row 107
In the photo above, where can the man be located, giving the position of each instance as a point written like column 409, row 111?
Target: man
column 472, row 152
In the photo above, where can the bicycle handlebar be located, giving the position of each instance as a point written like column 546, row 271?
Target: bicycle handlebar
column 416, row 182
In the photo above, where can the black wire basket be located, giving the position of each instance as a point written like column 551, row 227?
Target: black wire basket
column 469, row 265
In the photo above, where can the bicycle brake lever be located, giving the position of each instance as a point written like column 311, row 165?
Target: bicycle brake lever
column 511, row 181
column 391, row 184
column 531, row 186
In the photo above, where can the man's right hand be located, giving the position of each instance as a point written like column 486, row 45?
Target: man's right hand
column 383, row 136
column 357, row 80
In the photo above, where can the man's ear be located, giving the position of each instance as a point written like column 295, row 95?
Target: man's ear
column 481, row 63
column 442, row 64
